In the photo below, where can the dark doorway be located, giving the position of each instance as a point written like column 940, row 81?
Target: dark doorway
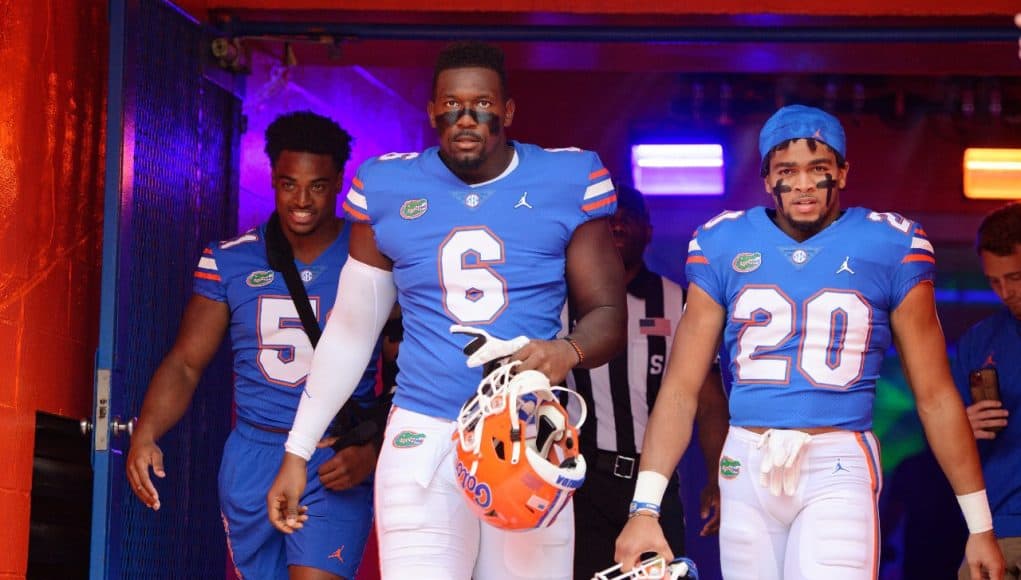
column 58, row 542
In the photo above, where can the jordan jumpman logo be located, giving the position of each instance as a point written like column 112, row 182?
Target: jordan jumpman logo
column 523, row 202
column 844, row 267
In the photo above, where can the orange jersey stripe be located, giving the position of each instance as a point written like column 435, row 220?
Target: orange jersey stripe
column 207, row 251
column 353, row 211
column 598, row 173
column 697, row 260
column 869, row 460
column 874, row 480
column 921, row 232
column 918, row 258
column 357, row 183
column 599, row 203
column 208, row 276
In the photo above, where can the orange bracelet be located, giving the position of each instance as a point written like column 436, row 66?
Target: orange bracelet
column 577, row 349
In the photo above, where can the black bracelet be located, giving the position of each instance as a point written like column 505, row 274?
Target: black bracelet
column 577, row 349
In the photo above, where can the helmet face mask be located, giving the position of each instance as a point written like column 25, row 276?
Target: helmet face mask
column 679, row 568
column 517, row 460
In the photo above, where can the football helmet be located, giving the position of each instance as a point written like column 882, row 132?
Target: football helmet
column 656, row 567
column 517, row 459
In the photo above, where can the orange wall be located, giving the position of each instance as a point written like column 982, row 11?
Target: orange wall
column 52, row 110
column 199, row 8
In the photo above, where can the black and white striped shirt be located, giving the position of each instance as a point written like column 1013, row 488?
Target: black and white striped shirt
column 620, row 394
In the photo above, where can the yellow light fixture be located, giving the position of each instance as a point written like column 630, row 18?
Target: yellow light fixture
column 992, row 173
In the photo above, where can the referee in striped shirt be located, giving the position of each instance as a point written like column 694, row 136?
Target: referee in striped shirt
column 619, row 396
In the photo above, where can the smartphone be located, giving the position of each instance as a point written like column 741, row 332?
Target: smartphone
column 985, row 386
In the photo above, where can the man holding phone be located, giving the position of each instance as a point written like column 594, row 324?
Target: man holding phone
column 987, row 372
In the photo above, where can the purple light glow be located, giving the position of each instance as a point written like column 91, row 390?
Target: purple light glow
column 382, row 109
column 678, row 169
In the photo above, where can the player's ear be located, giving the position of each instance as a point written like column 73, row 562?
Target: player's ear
column 430, row 106
column 842, row 177
column 508, row 116
column 339, row 182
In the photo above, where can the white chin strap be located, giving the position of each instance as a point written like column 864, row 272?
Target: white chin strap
column 581, row 404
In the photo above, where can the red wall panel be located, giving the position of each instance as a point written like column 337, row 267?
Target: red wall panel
column 52, row 111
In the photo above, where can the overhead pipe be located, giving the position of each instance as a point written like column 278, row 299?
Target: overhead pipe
column 658, row 34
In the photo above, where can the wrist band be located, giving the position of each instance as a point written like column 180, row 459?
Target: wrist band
column 975, row 507
column 643, row 509
column 577, row 349
column 649, row 488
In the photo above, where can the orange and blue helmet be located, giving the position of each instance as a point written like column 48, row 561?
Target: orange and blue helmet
column 517, row 456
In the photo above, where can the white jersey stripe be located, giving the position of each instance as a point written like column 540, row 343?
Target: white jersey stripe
column 357, row 199
column 207, row 263
column 597, row 189
column 922, row 244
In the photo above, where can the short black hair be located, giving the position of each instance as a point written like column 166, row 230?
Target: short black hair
column 632, row 201
column 307, row 132
column 813, row 144
column 469, row 54
column 1000, row 232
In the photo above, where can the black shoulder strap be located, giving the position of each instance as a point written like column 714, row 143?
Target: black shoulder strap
column 352, row 425
column 281, row 258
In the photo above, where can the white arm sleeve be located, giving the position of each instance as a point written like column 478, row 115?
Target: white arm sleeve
column 365, row 296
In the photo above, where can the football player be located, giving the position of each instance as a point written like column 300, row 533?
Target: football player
column 479, row 231
column 806, row 298
column 237, row 289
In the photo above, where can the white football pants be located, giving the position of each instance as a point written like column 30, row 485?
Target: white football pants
column 425, row 528
column 828, row 529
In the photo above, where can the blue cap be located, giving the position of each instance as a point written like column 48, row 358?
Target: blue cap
column 801, row 122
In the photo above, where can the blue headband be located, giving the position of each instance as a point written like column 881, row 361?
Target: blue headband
column 801, row 122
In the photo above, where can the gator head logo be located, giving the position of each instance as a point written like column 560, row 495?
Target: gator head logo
column 406, row 439
column 260, row 278
column 729, row 467
column 747, row 262
column 414, row 208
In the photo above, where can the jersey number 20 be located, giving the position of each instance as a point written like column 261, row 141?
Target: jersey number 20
column 834, row 336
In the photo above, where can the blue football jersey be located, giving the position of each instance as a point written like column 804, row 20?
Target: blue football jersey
column 807, row 323
column 272, row 353
column 490, row 255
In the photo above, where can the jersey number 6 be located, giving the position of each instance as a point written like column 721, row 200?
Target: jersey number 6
column 473, row 293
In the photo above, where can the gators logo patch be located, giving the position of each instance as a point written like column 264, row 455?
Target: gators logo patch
column 406, row 439
column 260, row 278
column 729, row 467
column 414, row 208
column 747, row 262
